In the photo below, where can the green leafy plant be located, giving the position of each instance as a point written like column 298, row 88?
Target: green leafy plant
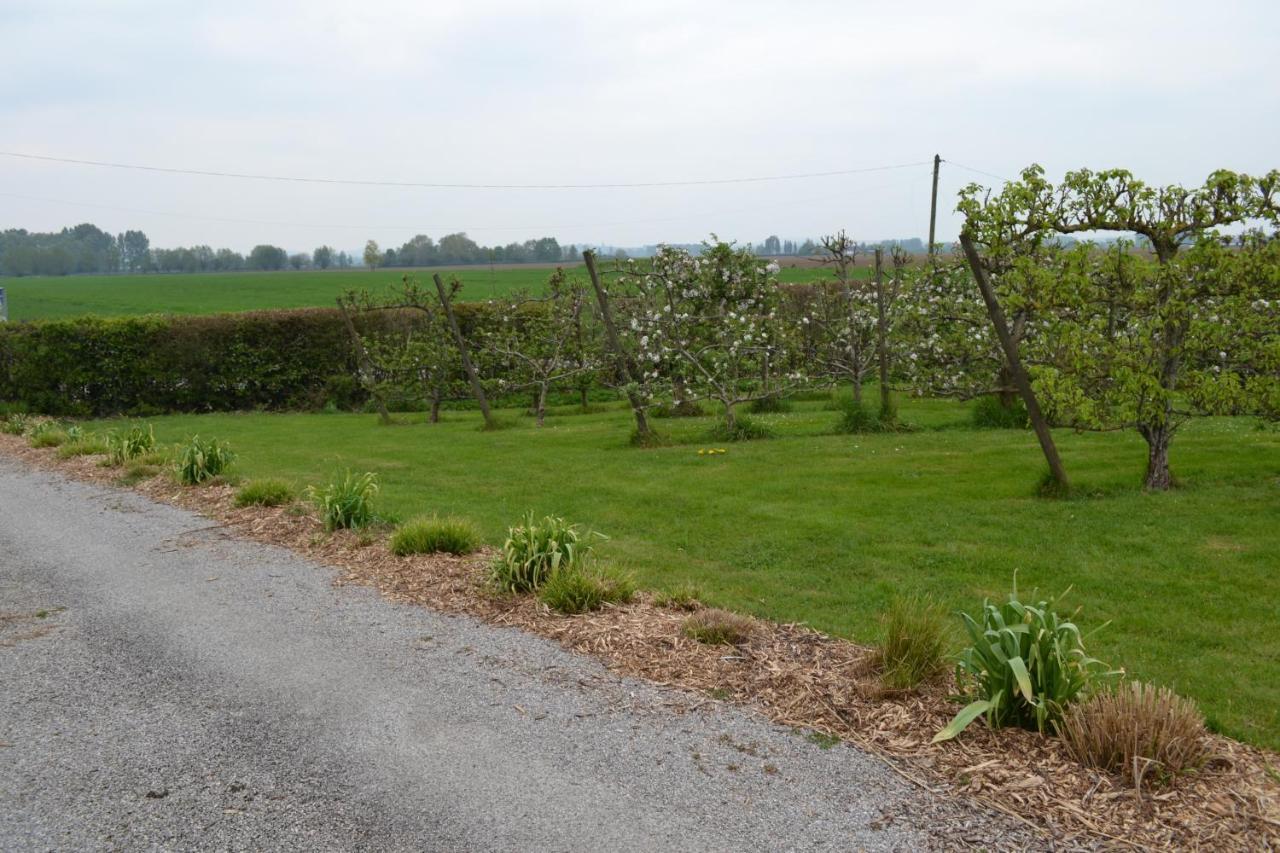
column 14, row 424
column 1143, row 732
column 266, row 493
column 430, row 535
column 47, row 434
column 855, row 418
column 990, row 413
column 741, row 429
column 581, row 589
column 718, row 627
column 347, row 502
column 1026, row 664
column 202, row 459
column 130, row 444
column 535, row 550
column 913, row 647
column 772, row 404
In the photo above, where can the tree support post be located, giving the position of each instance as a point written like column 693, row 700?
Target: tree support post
column 365, row 363
column 627, row 366
column 1020, row 379
column 470, row 368
column 882, row 339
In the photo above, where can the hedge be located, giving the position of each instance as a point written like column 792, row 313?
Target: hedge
column 90, row 366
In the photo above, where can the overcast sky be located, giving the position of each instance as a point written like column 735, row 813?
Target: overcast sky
column 554, row 92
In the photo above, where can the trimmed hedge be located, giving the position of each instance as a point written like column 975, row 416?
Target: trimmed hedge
column 91, row 366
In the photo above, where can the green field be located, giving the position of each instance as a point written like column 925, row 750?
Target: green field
column 824, row 528
column 38, row 298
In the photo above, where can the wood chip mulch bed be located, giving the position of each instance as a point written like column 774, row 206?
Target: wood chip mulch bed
column 796, row 677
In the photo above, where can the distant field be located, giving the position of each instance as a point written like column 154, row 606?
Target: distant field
column 212, row 293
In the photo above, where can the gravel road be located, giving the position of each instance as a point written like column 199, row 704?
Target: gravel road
column 166, row 686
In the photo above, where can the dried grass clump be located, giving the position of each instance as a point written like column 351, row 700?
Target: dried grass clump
column 717, row 627
column 1145, row 733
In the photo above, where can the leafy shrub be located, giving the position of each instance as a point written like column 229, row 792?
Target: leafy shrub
column 86, row 445
column 1137, row 730
column 718, row 627
column 123, row 446
column 431, row 535
column 534, row 551
column 580, row 589
column 684, row 597
column 769, row 405
column 47, row 434
column 990, row 413
column 743, row 429
column 1026, row 665
column 265, row 493
column 202, row 459
column 347, row 502
column 914, row 644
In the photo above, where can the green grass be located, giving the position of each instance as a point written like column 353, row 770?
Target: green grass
column 45, row 297
column 827, row 529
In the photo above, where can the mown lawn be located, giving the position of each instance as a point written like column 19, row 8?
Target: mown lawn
column 824, row 528
column 51, row 297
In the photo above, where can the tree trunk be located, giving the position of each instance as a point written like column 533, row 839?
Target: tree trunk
column 1006, row 393
column 540, row 406
column 582, row 395
column 882, row 339
column 629, row 369
column 1159, row 477
column 730, row 419
column 857, row 390
column 476, row 388
column 435, row 406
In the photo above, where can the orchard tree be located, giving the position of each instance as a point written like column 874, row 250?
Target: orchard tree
column 841, row 319
column 537, row 340
column 372, row 255
column 711, row 323
column 1126, row 343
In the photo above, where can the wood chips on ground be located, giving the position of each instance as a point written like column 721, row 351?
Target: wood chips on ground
column 797, row 677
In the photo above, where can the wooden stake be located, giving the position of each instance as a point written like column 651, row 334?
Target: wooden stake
column 476, row 388
column 625, row 364
column 1020, row 379
column 882, row 337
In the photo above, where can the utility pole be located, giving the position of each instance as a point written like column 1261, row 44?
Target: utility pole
column 933, row 204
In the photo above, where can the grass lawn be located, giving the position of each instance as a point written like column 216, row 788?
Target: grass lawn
column 824, row 529
column 47, row 297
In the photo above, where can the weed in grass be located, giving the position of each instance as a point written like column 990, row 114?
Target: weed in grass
column 47, row 434
column 431, row 535
column 822, row 740
column 743, row 429
column 201, row 459
column 652, row 438
column 346, row 502
column 720, row 693
column 856, row 419
column 130, row 444
column 1025, row 666
column 684, row 597
column 1145, row 733
column 266, row 493
column 581, row 589
column 913, row 646
column 535, row 550
column 990, row 413
column 718, row 627
column 136, row 472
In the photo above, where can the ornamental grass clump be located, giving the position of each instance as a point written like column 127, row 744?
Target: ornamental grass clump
column 432, row 535
column 265, row 493
column 86, row 445
column 913, row 648
column 535, row 550
column 200, row 460
column 717, row 627
column 1145, row 733
column 47, row 434
column 582, row 589
column 1025, row 666
column 346, row 503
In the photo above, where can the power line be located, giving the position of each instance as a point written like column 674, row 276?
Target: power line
column 981, row 172
column 440, row 185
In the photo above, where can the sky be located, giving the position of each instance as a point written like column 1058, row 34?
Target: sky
column 566, row 92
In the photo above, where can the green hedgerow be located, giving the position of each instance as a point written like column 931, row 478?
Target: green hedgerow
column 535, row 550
column 266, row 493
column 347, row 502
column 202, row 459
column 432, row 535
column 579, row 589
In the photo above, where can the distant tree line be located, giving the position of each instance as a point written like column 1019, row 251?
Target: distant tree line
column 773, row 245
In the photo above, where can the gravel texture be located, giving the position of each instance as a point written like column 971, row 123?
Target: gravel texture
column 166, row 686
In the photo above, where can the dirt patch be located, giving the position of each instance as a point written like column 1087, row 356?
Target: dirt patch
column 797, row 677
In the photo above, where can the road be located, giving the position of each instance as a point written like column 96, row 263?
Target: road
column 166, row 686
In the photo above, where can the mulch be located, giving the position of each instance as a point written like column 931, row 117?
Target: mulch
column 797, row 677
